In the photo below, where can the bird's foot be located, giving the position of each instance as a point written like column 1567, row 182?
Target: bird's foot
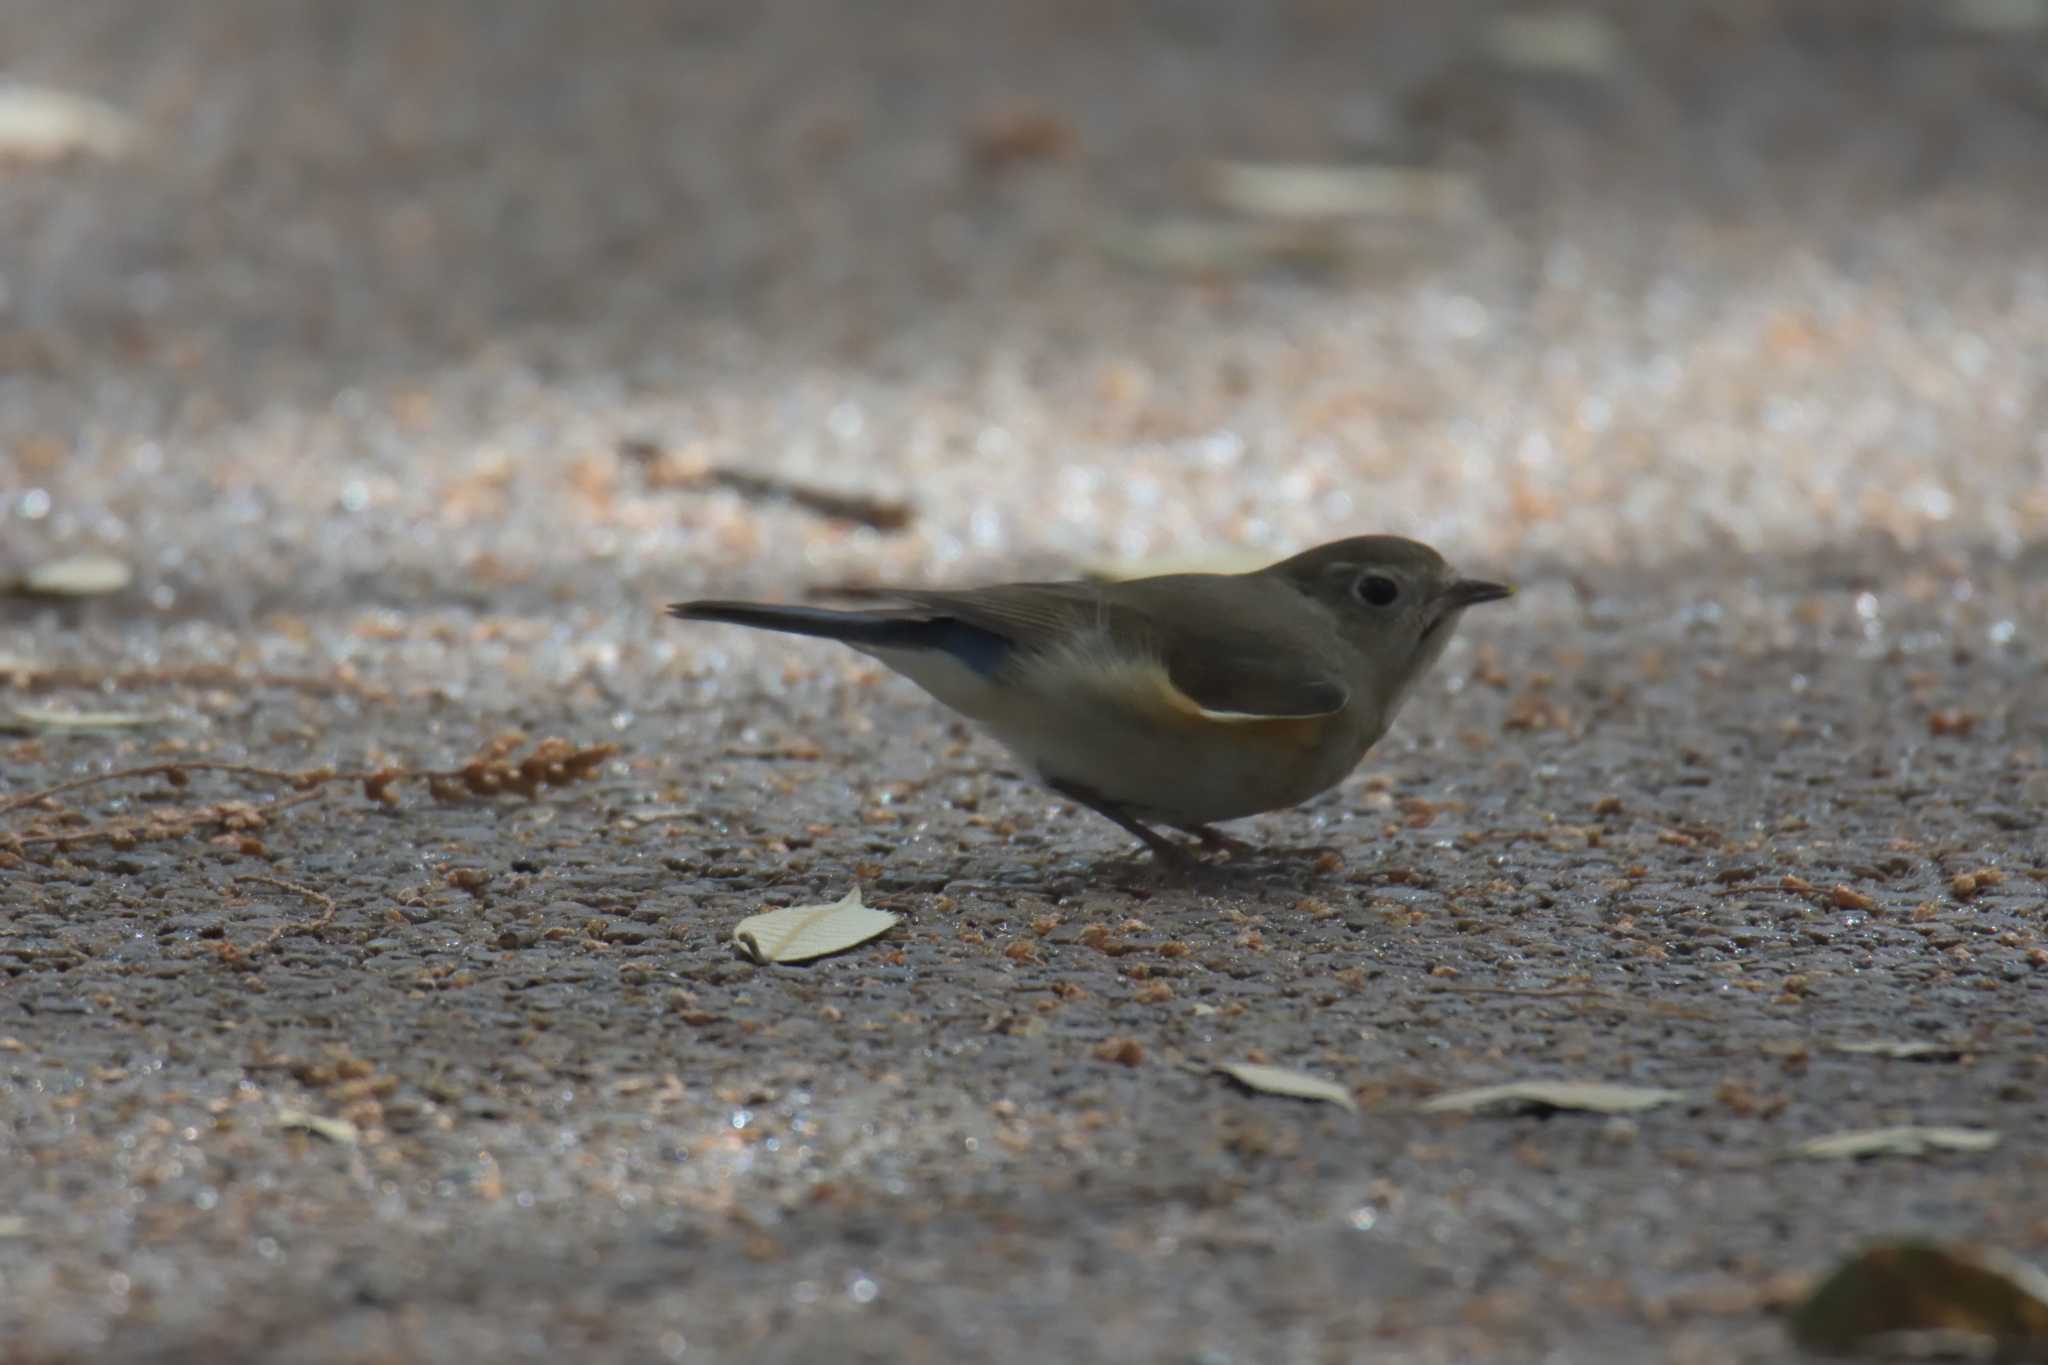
column 1214, row 840
column 1171, row 855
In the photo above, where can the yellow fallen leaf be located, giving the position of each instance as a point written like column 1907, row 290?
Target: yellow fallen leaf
column 1298, row 1085
column 802, row 932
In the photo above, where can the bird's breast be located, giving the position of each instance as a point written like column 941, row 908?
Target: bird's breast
column 1118, row 726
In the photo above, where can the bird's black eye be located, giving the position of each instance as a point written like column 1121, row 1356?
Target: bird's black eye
column 1377, row 590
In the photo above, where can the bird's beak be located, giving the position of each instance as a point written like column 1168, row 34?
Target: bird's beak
column 1470, row 592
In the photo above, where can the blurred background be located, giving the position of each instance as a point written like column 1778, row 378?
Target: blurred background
column 307, row 306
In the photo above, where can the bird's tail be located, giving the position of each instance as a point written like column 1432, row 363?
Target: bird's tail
column 979, row 649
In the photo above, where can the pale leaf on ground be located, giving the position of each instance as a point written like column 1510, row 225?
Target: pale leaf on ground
column 1310, row 192
column 1299, row 1085
column 638, row 816
column 45, row 720
column 338, row 1131
column 802, row 932
column 1592, row 1097
column 41, row 124
column 84, row 575
column 1903, row 1141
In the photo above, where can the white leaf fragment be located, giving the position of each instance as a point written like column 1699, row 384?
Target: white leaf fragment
column 338, row 1131
column 40, row 124
column 86, row 575
column 1298, row 1085
column 1311, row 192
column 1593, row 1097
column 655, row 815
column 37, row 720
column 802, row 932
column 1905, row 1141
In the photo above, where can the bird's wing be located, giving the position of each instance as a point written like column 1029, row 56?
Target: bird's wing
column 1232, row 658
column 1249, row 679
column 1035, row 617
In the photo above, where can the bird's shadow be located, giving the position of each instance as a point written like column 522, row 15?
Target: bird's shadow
column 1144, row 874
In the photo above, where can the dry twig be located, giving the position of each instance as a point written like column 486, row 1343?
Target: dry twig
column 39, row 678
column 880, row 513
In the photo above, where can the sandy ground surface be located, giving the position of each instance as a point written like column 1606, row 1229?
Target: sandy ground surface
column 1737, row 365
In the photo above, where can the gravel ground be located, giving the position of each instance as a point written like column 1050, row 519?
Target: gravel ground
column 1737, row 361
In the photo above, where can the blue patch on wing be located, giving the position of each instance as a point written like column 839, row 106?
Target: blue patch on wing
column 983, row 651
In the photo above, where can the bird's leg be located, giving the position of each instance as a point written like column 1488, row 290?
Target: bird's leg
column 1163, row 848
column 1215, row 840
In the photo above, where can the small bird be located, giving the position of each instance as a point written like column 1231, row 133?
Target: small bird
column 1181, row 700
